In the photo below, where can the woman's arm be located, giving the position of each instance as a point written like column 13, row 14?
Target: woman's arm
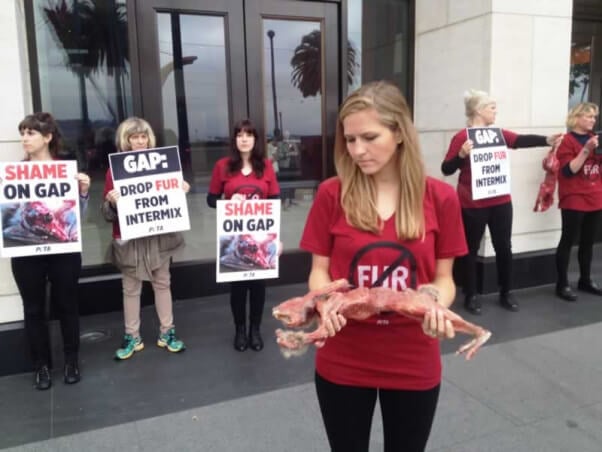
column 434, row 323
column 444, row 282
column 531, row 141
column 576, row 164
column 319, row 275
column 459, row 149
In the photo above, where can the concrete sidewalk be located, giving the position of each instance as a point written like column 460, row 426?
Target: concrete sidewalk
column 542, row 393
column 536, row 386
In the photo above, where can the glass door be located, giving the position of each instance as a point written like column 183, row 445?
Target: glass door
column 204, row 64
column 191, row 60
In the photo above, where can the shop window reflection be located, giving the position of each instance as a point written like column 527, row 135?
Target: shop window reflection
column 579, row 76
column 84, row 81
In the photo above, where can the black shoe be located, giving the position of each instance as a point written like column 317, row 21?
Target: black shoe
column 508, row 302
column 240, row 338
column 566, row 293
column 472, row 304
column 255, row 339
column 589, row 287
column 72, row 375
column 42, row 379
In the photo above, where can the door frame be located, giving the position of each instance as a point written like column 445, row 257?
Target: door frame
column 143, row 16
column 324, row 12
column 243, row 26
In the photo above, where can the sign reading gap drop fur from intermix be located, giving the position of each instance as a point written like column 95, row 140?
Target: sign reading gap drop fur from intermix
column 152, row 200
column 39, row 202
column 248, row 237
column 489, row 163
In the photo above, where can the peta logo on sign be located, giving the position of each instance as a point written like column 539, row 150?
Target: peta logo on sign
column 134, row 163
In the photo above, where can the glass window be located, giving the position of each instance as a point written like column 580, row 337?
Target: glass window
column 379, row 39
column 579, row 76
column 84, row 81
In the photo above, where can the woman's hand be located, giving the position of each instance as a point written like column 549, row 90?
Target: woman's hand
column 83, row 182
column 334, row 322
column 185, row 186
column 554, row 139
column 591, row 145
column 465, row 149
column 238, row 197
column 435, row 325
column 112, row 197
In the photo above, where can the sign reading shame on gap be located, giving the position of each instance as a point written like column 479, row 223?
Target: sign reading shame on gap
column 489, row 162
column 248, row 237
column 39, row 204
column 152, row 200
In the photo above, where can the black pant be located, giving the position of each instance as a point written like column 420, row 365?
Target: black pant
column 499, row 220
column 575, row 223
column 31, row 274
column 238, row 301
column 347, row 414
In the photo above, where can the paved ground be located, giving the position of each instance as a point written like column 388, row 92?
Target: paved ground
column 537, row 386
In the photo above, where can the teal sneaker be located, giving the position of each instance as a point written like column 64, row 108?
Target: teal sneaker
column 171, row 342
column 130, row 345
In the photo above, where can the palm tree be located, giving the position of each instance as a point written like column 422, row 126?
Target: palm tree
column 307, row 64
column 93, row 34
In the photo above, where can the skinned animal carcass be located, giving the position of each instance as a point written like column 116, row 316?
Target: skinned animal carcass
column 545, row 195
column 359, row 304
column 35, row 222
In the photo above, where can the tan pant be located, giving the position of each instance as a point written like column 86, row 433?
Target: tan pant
column 132, row 288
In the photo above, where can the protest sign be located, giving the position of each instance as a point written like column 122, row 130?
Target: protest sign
column 489, row 163
column 152, row 200
column 248, row 236
column 39, row 202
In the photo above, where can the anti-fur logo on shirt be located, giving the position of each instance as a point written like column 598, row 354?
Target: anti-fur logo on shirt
column 397, row 273
column 591, row 170
column 250, row 191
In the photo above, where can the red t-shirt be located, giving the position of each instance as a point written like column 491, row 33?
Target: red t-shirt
column 386, row 350
column 251, row 186
column 583, row 190
column 465, row 177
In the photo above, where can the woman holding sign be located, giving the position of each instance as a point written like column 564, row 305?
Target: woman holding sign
column 494, row 212
column 141, row 259
column 382, row 222
column 41, row 141
column 245, row 174
column 580, row 198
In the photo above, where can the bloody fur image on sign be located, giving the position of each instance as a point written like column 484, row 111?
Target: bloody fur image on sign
column 38, row 222
column 248, row 252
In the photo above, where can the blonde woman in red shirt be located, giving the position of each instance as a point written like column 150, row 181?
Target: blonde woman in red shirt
column 382, row 222
column 579, row 198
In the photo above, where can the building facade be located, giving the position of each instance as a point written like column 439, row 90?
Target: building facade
column 193, row 67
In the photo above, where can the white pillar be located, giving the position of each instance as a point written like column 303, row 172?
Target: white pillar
column 16, row 102
column 518, row 51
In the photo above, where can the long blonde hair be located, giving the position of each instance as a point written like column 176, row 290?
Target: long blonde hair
column 129, row 127
column 358, row 191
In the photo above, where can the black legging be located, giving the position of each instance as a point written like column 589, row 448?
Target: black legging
column 584, row 224
column 499, row 220
column 31, row 274
column 347, row 414
column 238, row 301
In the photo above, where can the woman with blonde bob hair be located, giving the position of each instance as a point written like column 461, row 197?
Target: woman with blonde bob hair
column 382, row 222
column 579, row 198
column 493, row 212
column 141, row 259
